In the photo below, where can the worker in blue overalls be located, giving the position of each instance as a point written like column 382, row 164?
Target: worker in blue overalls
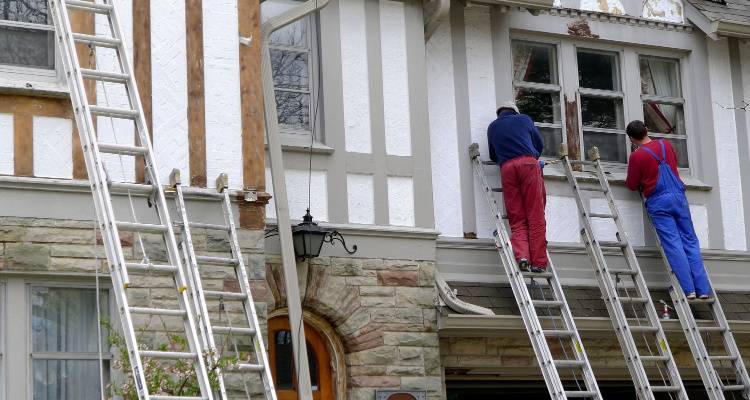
column 653, row 169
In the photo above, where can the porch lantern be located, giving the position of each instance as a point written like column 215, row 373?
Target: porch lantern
column 308, row 238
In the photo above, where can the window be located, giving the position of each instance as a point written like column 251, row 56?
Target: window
column 601, row 104
column 293, row 64
column 26, row 36
column 663, row 103
column 537, row 90
column 64, row 350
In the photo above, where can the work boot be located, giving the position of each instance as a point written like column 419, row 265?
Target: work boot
column 538, row 270
column 523, row 264
column 691, row 296
column 704, row 297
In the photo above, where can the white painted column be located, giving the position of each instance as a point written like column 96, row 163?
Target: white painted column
column 441, row 98
column 354, row 73
column 727, row 156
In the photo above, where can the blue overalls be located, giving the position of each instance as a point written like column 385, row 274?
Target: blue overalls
column 668, row 207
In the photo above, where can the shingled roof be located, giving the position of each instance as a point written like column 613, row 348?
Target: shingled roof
column 721, row 17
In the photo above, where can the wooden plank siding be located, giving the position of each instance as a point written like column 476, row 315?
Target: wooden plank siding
column 83, row 22
column 196, row 92
column 252, row 215
column 142, row 70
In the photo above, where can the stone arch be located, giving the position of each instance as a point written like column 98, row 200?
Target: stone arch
column 334, row 345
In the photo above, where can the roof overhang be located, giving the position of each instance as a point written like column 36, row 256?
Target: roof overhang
column 716, row 29
column 458, row 325
column 528, row 4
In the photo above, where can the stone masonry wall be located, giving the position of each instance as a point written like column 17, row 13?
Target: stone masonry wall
column 384, row 313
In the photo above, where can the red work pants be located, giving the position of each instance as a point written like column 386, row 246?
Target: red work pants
column 525, row 198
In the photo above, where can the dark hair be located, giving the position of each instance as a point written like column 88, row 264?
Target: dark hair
column 501, row 109
column 636, row 130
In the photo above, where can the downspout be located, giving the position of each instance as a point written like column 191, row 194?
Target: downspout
column 435, row 11
column 289, row 264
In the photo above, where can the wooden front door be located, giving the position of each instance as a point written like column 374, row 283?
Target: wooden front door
column 281, row 358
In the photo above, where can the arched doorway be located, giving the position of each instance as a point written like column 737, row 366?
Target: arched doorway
column 281, row 358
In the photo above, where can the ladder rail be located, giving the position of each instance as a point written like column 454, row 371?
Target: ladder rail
column 701, row 355
column 612, row 298
column 102, row 199
column 528, row 311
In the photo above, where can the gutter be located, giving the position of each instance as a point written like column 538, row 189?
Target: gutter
column 724, row 27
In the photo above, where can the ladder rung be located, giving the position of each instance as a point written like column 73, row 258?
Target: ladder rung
column 121, row 149
column 200, row 225
column 592, row 188
column 722, row 358
column 136, row 227
column 157, row 311
column 608, row 243
column 582, row 162
column 702, row 301
column 224, row 295
column 633, row 300
column 577, row 394
column 104, row 76
column 497, row 190
column 244, row 368
column 712, row 329
column 170, row 355
column 623, row 272
column 600, row 215
column 96, row 40
column 216, row 260
column 732, row 388
column 665, row 389
column 122, row 113
column 569, row 363
column 655, row 358
column 151, row 267
column 88, row 6
column 547, row 303
column 558, row 333
column 529, row 274
column 133, row 187
column 228, row 330
column 642, row 328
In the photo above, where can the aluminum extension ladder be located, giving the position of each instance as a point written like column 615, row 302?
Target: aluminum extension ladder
column 616, row 297
column 250, row 327
column 540, row 331
column 709, row 366
column 100, row 187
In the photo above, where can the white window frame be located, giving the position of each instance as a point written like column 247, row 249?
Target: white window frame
column 106, row 353
column 20, row 77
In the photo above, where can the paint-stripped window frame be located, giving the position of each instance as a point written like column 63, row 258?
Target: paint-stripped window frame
column 558, row 87
column 301, row 137
column 32, row 355
column 23, row 74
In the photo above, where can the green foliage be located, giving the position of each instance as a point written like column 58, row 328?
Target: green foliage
column 165, row 377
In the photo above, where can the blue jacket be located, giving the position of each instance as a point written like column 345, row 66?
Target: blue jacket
column 512, row 135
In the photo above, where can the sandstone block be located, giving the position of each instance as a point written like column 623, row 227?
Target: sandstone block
column 26, row 256
column 375, row 381
column 405, row 370
column 428, row 383
column 410, row 339
column 383, row 355
column 346, row 267
column 376, row 291
column 415, row 297
column 372, row 301
column 398, row 278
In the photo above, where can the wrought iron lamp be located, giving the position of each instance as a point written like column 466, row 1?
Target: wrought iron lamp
column 308, row 238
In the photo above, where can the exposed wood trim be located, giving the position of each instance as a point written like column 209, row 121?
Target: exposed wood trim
column 142, row 67
column 24, row 109
column 83, row 22
column 196, row 92
column 251, row 94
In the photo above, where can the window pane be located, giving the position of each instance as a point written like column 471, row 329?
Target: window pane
column 612, row 146
column 541, row 107
column 27, row 47
column 552, row 138
column 291, row 35
column 598, row 70
column 660, row 77
column 534, row 63
column 31, row 11
column 680, row 147
column 65, row 320
column 293, row 109
column 601, row 112
column 283, row 356
column 663, row 118
column 68, row 379
column 290, row 70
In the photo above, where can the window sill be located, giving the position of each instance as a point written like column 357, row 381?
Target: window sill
column 618, row 178
column 291, row 144
column 33, row 88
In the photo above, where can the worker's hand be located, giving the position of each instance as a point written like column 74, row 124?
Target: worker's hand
column 542, row 164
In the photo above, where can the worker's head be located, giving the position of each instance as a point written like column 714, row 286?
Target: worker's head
column 637, row 131
column 509, row 105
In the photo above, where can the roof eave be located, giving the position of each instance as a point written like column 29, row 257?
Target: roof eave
column 731, row 28
column 528, row 4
